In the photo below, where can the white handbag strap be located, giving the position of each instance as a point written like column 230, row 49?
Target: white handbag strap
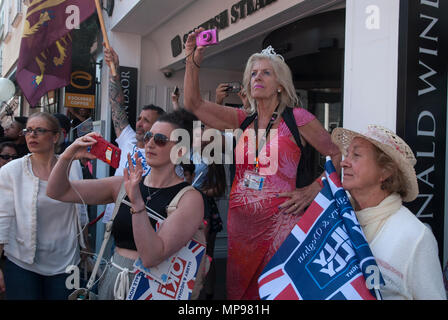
column 173, row 204
column 120, row 197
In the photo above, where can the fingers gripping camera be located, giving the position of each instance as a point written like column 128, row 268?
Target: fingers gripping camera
column 207, row 38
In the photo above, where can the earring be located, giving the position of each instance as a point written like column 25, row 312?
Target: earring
column 179, row 171
column 279, row 90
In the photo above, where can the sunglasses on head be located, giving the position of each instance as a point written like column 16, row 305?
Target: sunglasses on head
column 8, row 156
column 159, row 139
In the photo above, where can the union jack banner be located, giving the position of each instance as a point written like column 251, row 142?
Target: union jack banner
column 326, row 256
column 172, row 281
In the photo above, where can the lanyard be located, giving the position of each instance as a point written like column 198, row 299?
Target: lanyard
column 268, row 128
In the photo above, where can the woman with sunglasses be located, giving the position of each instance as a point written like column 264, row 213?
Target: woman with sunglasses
column 39, row 234
column 8, row 152
column 134, row 233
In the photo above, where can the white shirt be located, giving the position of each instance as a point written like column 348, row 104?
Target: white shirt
column 21, row 196
column 57, row 245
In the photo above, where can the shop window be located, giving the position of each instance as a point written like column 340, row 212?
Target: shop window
column 49, row 102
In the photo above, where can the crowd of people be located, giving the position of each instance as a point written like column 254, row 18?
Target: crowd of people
column 43, row 193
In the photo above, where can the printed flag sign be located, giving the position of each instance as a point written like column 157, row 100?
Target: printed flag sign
column 173, row 279
column 326, row 256
column 44, row 62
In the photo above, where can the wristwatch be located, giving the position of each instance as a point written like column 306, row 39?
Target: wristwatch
column 136, row 212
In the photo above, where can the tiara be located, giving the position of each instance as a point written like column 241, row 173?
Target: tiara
column 269, row 51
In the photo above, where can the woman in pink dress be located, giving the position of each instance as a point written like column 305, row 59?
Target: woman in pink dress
column 264, row 202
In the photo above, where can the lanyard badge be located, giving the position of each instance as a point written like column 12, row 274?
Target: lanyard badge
column 252, row 179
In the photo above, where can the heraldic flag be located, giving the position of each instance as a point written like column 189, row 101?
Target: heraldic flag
column 45, row 51
column 326, row 256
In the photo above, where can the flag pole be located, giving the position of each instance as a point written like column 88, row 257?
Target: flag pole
column 105, row 38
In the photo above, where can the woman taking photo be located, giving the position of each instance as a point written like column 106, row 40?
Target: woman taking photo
column 134, row 233
column 379, row 174
column 259, row 220
column 40, row 235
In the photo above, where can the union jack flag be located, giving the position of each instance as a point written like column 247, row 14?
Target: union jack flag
column 176, row 283
column 326, row 256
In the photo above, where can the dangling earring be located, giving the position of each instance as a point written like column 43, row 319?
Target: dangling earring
column 179, row 171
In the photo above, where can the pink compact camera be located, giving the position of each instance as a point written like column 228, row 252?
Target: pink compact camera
column 207, row 38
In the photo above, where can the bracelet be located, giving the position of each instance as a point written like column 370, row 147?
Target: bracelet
column 136, row 212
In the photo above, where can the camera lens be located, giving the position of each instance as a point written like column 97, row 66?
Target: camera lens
column 206, row 36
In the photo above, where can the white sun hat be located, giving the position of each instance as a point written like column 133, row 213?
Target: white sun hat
column 392, row 145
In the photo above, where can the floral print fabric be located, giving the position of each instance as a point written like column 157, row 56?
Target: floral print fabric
column 255, row 228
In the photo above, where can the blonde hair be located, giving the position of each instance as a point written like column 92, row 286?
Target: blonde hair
column 287, row 96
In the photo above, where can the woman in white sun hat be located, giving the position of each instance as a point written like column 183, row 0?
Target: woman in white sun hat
column 379, row 174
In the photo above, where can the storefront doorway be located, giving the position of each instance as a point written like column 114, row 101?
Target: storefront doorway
column 314, row 50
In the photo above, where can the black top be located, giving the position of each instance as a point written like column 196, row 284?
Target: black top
column 122, row 225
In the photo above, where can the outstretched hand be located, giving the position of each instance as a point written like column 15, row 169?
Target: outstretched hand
column 299, row 199
column 191, row 51
column 79, row 148
column 132, row 177
column 110, row 56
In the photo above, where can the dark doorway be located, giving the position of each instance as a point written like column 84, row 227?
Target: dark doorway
column 314, row 50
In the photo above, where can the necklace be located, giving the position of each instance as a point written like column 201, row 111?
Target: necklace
column 151, row 195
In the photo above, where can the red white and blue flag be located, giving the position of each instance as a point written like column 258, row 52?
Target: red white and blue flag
column 326, row 256
column 173, row 279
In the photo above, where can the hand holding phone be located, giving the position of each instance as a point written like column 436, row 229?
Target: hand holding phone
column 106, row 152
column 234, row 87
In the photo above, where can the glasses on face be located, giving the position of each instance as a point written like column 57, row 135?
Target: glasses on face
column 37, row 131
column 8, row 156
column 159, row 139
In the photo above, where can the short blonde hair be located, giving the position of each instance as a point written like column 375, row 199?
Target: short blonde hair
column 288, row 96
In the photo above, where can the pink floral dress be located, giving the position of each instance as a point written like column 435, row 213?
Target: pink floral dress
column 256, row 229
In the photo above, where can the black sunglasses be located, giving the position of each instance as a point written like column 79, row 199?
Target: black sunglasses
column 8, row 156
column 159, row 139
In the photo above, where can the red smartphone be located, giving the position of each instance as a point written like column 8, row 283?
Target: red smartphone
column 106, row 151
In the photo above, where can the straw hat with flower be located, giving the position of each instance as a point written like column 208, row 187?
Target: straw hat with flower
column 392, row 145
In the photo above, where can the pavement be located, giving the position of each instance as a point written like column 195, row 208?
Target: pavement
column 220, row 283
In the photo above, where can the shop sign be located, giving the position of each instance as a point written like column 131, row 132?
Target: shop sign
column 81, row 91
column 422, row 103
column 222, row 20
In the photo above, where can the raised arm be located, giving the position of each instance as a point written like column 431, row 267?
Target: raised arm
column 89, row 191
column 212, row 114
column 316, row 135
column 116, row 98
